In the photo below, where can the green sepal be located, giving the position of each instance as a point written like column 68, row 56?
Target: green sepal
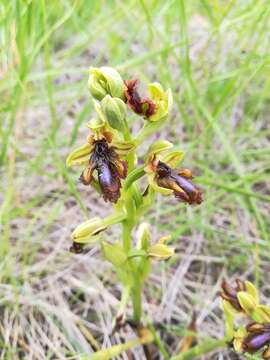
column 251, row 289
column 156, row 148
column 247, row 302
column 160, row 251
column 80, row 155
column 163, row 101
column 173, row 158
column 263, row 312
column 89, row 231
column 156, row 187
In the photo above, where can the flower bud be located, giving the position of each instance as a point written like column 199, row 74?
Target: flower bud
column 143, row 236
column 160, row 251
column 88, row 231
column 114, row 110
column 247, row 302
column 105, row 80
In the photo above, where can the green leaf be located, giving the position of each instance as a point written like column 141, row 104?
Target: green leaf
column 114, row 253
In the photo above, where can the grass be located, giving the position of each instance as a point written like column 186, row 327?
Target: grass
column 215, row 56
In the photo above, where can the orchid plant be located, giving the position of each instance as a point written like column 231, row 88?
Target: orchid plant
column 109, row 166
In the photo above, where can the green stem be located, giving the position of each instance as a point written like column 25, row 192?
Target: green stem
column 133, row 201
column 207, row 346
column 127, row 228
column 131, row 156
column 137, row 301
column 134, row 176
column 124, row 301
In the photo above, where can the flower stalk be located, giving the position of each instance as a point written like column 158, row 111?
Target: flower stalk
column 109, row 157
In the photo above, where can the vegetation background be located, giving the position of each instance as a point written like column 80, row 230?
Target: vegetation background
column 215, row 56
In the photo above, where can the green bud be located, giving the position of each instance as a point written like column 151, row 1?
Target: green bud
column 247, row 302
column 105, row 80
column 160, row 251
column 114, row 110
column 96, row 87
column 89, row 231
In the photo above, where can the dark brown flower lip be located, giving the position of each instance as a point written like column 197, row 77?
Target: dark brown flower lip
column 229, row 293
column 183, row 188
column 109, row 167
column 141, row 106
